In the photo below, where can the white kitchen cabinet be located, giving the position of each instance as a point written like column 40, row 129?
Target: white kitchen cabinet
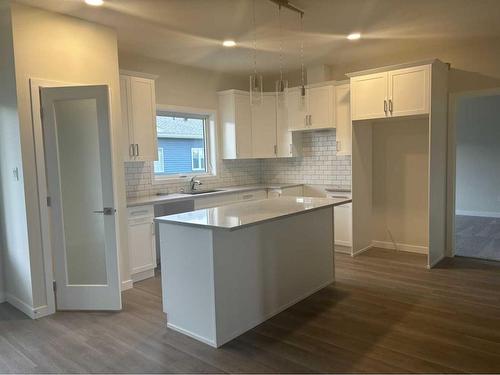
column 343, row 119
column 258, row 131
column 264, row 128
column 320, row 107
column 235, row 117
column 288, row 143
column 317, row 112
column 395, row 93
column 369, row 96
column 139, row 118
column 409, row 91
column 141, row 239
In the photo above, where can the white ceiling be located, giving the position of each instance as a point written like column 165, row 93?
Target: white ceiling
column 190, row 32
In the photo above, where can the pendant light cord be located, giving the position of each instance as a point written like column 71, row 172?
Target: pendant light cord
column 254, row 40
column 281, row 43
column 302, row 48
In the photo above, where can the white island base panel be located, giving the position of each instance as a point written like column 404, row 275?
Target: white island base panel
column 218, row 284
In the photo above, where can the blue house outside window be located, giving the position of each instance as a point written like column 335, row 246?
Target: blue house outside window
column 181, row 144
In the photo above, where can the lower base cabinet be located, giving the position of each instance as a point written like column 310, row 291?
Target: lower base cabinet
column 141, row 239
column 343, row 225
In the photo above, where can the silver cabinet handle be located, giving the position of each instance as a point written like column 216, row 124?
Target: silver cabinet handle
column 310, row 120
column 247, row 196
column 137, row 149
column 339, row 146
column 131, row 150
column 385, row 106
column 275, row 149
column 291, row 149
column 390, row 105
column 106, row 211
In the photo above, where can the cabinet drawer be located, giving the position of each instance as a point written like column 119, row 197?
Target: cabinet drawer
column 141, row 211
column 252, row 195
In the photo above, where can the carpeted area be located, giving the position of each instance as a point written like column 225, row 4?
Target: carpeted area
column 477, row 237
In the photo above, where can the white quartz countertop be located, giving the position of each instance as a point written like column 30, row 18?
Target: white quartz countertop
column 239, row 215
column 176, row 197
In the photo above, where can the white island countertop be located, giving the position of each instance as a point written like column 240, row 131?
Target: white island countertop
column 240, row 215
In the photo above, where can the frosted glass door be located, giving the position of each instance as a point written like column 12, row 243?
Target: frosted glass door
column 79, row 175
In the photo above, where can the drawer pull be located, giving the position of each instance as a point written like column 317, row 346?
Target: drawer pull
column 248, row 196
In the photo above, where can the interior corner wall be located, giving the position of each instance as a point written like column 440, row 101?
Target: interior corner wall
column 56, row 47
column 15, row 273
column 478, row 156
column 400, row 181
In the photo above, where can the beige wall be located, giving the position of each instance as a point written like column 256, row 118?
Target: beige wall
column 55, row 47
column 182, row 85
column 400, row 181
column 14, row 249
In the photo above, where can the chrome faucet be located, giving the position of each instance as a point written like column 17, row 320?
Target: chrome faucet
column 194, row 182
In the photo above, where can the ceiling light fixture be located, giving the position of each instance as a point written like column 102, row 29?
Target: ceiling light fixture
column 354, row 36
column 94, row 3
column 229, row 43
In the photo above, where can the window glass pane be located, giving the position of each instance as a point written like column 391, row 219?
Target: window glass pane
column 181, row 139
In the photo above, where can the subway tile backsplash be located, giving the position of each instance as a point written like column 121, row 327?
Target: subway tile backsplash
column 318, row 165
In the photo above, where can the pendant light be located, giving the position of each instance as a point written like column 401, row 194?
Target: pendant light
column 256, row 81
column 281, row 86
column 303, row 89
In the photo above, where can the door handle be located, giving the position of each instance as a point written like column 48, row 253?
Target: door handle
column 385, row 106
column 390, row 105
column 137, row 149
column 108, row 211
column 131, row 151
column 291, row 149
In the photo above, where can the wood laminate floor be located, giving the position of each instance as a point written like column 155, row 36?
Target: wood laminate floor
column 386, row 313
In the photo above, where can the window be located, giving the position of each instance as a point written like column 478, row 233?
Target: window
column 159, row 165
column 182, row 144
column 198, row 159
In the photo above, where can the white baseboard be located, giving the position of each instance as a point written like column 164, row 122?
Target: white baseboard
column 478, row 213
column 401, row 247
column 143, row 275
column 343, row 249
column 192, row 335
column 362, row 250
column 127, row 284
column 429, row 266
column 32, row 312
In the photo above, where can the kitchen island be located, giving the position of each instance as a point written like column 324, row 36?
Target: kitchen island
column 227, row 269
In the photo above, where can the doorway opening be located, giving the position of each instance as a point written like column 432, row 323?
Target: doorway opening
column 477, row 176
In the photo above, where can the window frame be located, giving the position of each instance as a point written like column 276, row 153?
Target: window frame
column 201, row 156
column 210, row 141
column 162, row 152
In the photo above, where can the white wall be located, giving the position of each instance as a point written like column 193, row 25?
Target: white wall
column 14, row 236
column 400, row 181
column 56, row 47
column 478, row 156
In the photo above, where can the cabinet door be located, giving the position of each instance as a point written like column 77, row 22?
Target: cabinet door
column 243, row 126
column 143, row 118
column 296, row 110
column 343, row 119
column 128, row 134
column 409, row 91
column 288, row 143
column 141, row 244
column 368, row 96
column 343, row 225
column 264, row 128
column 320, row 107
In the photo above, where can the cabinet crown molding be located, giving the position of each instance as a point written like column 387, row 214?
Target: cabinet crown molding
column 398, row 66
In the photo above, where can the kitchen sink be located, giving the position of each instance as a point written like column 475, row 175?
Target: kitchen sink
column 196, row 192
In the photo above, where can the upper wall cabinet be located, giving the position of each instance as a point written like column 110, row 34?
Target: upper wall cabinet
column 316, row 112
column 395, row 93
column 139, row 118
column 235, row 117
column 258, row 131
column 343, row 119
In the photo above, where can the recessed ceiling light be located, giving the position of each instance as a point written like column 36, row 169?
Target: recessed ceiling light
column 94, row 3
column 354, row 36
column 229, row 43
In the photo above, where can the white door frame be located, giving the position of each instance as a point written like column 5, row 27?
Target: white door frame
column 452, row 162
column 44, row 215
